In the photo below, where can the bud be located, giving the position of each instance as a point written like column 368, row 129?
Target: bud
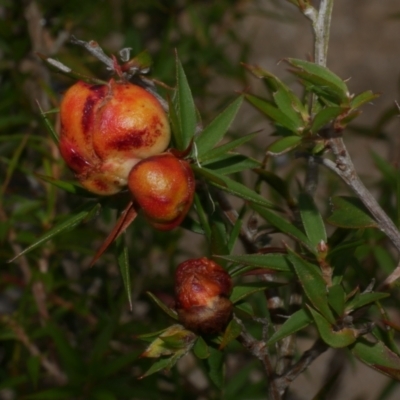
column 107, row 129
column 163, row 186
column 202, row 290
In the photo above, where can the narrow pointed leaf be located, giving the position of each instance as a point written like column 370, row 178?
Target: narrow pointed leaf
column 284, row 145
column 313, row 284
column 200, row 349
column 215, row 367
column 215, row 131
column 175, row 124
column 284, row 99
column 125, row 219
column 70, row 187
column 312, row 221
column 124, row 268
column 232, row 331
column 336, row 298
column 162, row 363
column 378, row 357
column 296, row 322
column 350, row 212
column 336, row 339
column 232, row 163
column 49, row 125
column 57, row 66
column 325, row 116
column 363, row 299
column 68, row 224
column 185, row 107
column 276, row 85
column 225, row 148
column 277, row 183
column 278, row 262
column 319, row 75
column 362, row 98
column 283, row 226
column 232, row 187
column 242, row 291
column 273, row 113
column 169, row 311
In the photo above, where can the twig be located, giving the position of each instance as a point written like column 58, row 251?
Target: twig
column 344, row 168
column 258, row 349
column 393, row 277
column 305, row 361
column 321, row 23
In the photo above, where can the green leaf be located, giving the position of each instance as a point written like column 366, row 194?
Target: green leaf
column 149, row 337
column 245, row 307
column 378, row 357
column 273, row 113
column 325, row 116
column 321, row 77
column 232, row 331
column 175, row 124
column 297, row 321
column 350, row 212
column 277, row 262
column 218, row 238
column 215, row 131
column 186, row 110
column 68, row 224
column 337, row 298
column 242, row 291
column 201, row 349
column 284, row 226
column 362, row 98
column 219, row 151
column 277, row 183
column 313, row 284
column 160, row 364
column 57, row 66
column 215, row 367
column 49, row 125
column 363, row 299
column 70, row 187
column 124, row 268
column 231, row 186
column 231, row 163
column 203, row 217
column 335, row 339
column 312, row 220
column 284, row 99
column 169, row 311
column 284, row 145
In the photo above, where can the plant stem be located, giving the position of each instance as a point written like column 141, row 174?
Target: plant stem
column 321, row 23
column 344, row 168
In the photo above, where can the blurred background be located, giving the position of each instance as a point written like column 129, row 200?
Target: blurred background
column 52, row 306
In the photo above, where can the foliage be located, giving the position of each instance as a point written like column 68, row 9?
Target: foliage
column 74, row 332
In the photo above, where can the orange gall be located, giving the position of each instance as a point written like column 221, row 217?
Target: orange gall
column 163, row 187
column 107, row 129
column 202, row 289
